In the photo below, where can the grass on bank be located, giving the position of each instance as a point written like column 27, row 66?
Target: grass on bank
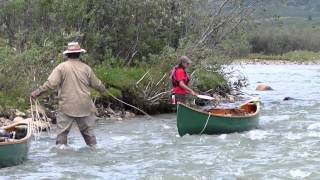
column 120, row 80
column 12, row 101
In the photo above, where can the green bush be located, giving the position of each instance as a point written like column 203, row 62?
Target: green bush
column 237, row 45
column 120, row 78
column 206, row 80
column 12, row 101
column 124, row 39
column 281, row 40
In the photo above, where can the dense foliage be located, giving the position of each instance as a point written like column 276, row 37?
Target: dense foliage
column 125, row 40
column 280, row 40
column 282, row 27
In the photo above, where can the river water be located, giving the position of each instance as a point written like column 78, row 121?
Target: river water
column 287, row 145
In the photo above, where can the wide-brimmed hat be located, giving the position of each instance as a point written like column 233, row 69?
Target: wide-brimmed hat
column 74, row 47
column 185, row 59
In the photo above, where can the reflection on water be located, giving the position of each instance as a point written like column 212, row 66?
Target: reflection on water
column 286, row 146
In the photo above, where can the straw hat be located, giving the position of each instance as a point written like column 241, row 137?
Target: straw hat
column 74, row 47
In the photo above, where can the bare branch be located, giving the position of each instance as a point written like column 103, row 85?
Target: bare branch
column 157, row 95
column 142, row 77
column 161, row 79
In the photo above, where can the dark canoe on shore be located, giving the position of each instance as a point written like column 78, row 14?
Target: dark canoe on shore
column 218, row 121
column 15, row 151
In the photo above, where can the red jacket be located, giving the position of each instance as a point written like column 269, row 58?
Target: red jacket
column 179, row 74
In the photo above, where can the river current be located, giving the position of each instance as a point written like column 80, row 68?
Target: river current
column 286, row 146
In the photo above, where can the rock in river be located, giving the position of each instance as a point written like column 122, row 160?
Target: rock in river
column 288, row 99
column 263, row 87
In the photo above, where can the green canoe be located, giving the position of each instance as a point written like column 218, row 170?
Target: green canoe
column 15, row 151
column 218, row 121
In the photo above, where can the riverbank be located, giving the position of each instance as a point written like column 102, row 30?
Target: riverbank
column 117, row 114
column 114, row 111
column 144, row 86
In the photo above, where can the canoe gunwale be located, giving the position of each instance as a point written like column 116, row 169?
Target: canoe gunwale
column 226, row 116
column 18, row 141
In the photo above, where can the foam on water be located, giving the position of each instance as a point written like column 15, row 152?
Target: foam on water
column 294, row 136
column 313, row 134
column 223, row 136
column 164, row 126
column 121, row 138
column 315, row 126
column 297, row 173
column 257, row 135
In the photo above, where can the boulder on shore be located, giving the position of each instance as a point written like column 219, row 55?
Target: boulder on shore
column 18, row 119
column 263, row 87
column 5, row 122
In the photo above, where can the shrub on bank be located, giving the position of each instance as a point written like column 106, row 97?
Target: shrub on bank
column 148, row 87
column 120, row 78
column 281, row 40
column 10, row 102
column 205, row 80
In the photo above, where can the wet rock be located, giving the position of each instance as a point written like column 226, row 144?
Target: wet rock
column 119, row 119
column 231, row 98
column 114, row 114
column 5, row 122
column 128, row 114
column 18, row 119
column 263, row 87
column 288, row 99
column 218, row 98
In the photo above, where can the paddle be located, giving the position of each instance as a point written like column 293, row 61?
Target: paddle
column 205, row 97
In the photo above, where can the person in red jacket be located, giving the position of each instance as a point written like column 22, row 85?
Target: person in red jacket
column 180, row 81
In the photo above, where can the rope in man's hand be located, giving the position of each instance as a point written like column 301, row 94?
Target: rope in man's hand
column 38, row 118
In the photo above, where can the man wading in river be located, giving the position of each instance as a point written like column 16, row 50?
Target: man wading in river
column 73, row 80
column 180, row 81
